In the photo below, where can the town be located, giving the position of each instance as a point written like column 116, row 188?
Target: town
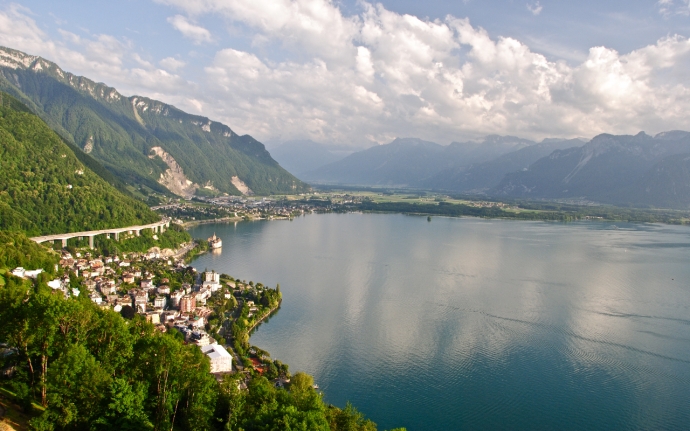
column 211, row 310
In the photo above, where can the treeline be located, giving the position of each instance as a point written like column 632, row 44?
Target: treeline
column 456, row 210
column 197, row 212
column 91, row 369
column 45, row 188
column 530, row 211
column 171, row 238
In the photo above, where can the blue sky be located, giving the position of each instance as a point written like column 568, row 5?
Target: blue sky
column 359, row 73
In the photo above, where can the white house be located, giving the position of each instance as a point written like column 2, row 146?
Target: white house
column 211, row 281
column 24, row 273
column 221, row 360
column 55, row 284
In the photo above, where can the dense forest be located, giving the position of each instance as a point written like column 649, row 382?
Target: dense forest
column 45, row 188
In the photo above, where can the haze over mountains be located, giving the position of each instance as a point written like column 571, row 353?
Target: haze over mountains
column 623, row 170
column 412, row 162
column 145, row 143
column 638, row 170
column 302, row 156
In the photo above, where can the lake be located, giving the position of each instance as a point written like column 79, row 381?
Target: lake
column 462, row 323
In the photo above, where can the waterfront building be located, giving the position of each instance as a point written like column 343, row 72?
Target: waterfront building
column 215, row 242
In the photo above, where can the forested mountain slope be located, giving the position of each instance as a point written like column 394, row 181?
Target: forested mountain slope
column 45, row 188
column 143, row 141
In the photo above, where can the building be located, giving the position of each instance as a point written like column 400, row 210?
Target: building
column 187, row 303
column 140, row 300
column 212, row 276
column 211, row 281
column 175, row 298
column 200, row 337
column 153, row 317
column 96, row 298
column 160, row 301
column 221, row 360
column 23, row 273
column 215, row 242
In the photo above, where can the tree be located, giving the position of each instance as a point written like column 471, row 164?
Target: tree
column 77, row 383
column 301, row 382
column 127, row 312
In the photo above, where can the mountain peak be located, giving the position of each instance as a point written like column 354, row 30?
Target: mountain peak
column 672, row 135
column 16, row 59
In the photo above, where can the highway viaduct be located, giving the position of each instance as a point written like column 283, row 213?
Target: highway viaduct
column 156, row 227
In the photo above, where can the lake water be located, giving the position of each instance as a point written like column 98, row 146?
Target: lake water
column 463, row 323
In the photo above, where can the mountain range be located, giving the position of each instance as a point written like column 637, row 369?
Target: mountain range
column 147, row 144
column 460, row 166
column 640, row 170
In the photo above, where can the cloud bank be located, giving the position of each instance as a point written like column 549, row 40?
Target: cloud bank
column 375, row 75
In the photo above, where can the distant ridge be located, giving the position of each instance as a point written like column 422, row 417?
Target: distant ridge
column 412, row 161
column 639, row 170
column 196, row 156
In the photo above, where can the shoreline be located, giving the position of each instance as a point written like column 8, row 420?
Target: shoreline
column 189, row 224
column 264, row 317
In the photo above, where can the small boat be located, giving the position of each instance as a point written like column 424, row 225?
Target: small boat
column 215, row 242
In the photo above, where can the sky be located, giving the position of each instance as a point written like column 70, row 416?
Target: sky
column 356, row 73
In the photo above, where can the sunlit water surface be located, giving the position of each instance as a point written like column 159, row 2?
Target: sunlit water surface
column 462, row 323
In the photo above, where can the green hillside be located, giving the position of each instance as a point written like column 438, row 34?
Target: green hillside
column 45, row 188
column 120, row 132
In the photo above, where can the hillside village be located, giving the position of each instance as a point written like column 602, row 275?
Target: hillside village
column 206, row 309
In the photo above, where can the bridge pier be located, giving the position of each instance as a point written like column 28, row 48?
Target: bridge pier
column 138, row 232
column 91, row 241
column 117, row 236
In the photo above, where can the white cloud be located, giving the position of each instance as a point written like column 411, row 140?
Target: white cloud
column 102, row 58
column 674, row 7
column 535, row 8
column 316, row 25
column 379, row 74
column 443, row 80
column 172, row 64
column 189, row 30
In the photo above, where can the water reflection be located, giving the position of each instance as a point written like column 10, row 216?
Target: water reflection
column 479, row 324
